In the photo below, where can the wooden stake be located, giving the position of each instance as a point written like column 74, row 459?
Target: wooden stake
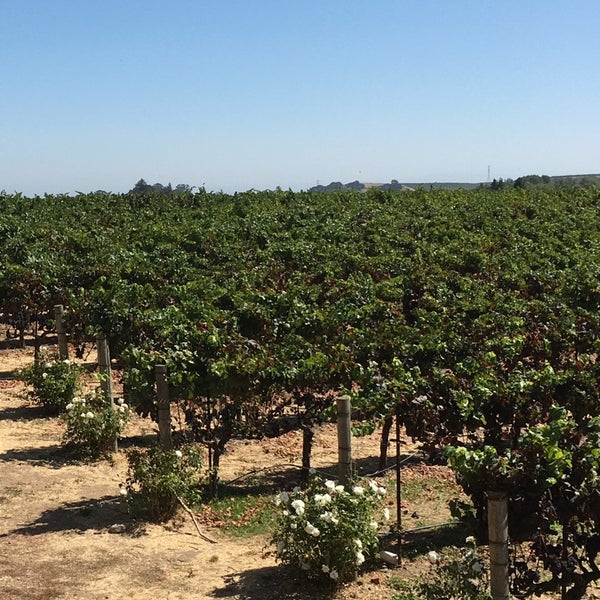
column 63, row 347
column 164, row 407
column 106, row 372
column 344, row 440
column 398, row 486
column 497, row 505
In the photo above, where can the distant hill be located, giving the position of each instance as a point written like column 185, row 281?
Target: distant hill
column 586, row 180
column 393, row 185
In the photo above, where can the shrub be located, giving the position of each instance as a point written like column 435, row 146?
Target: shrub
column 93, row 424
column 54, row 381
column 457, row 574
column 328, row 530
column 158, row 478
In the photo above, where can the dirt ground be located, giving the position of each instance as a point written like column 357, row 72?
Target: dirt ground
column 61, row 522
column 57, row 517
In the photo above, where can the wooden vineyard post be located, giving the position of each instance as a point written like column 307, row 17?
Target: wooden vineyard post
column 63, row 348
column 105, row 372
column 344, row 440
column 164, row 407
column 398, row 486
column 497, row 506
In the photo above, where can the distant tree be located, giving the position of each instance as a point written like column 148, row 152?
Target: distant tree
column 528, row 182
column 590, row 182
column 393, row 185
column 141, row 187
column 355, row 185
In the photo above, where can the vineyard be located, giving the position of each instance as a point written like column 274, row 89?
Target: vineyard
column 473, row 317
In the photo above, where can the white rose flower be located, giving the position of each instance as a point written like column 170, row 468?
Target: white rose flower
column 123, row 491
column 433, row 557
column 333, row 574
column 322, row 499
column 293, row 525
column 178, row 453
column 312, row 530
column 373, row 485
column 330, row 485
column 325, row 568
column 89, row 415
column 386, row 513
column 44, row 375
column 374, row 525
column 339, row 489
column 69, row 406
column 298, row 505
column 470, row 540
column 360, row 558
column 358, row 490
column 358, row 544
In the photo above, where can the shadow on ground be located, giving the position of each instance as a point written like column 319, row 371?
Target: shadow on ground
column 271, row 583
column 53, row 456
column 25, row 412
column 14, row 343
column 420, row 540
column 97, row 514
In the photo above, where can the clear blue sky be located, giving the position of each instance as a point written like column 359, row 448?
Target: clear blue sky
column 239, row 94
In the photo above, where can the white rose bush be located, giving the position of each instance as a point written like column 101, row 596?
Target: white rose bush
column 54, row 381
column 158, row 479
column 328, row 530
column 456, row 574
column 93, row 424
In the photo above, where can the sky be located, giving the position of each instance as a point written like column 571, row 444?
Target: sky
column 234, row 95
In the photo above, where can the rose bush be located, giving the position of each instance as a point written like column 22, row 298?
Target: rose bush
column 329, row 530
column 158, row 478
column 54, row 381
column 93, row 424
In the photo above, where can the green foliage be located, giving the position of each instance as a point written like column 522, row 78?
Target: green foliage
column 93, row 425
column 327, row 530
column 471, row 313
column 158, row 478
column 242, row 515
column 54, row 381
column 457, row 574
column 551, row 475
